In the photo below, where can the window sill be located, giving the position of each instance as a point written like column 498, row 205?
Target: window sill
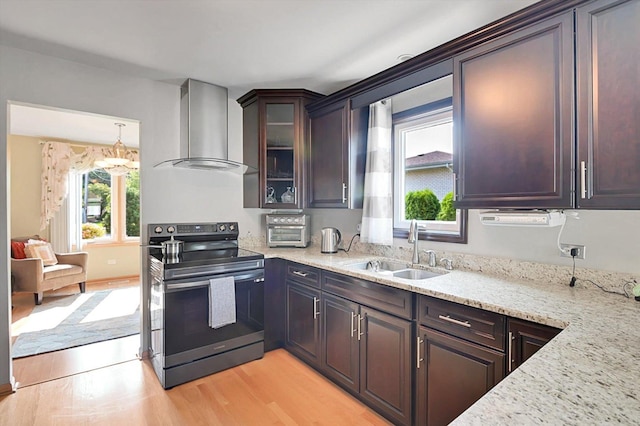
column 110, row 243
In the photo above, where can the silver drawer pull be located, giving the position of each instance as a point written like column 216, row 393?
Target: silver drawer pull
column 302, row 274
column 583, row 179
column 353, row 317
column 454, row 321
column 418, row 343
column 510, row 353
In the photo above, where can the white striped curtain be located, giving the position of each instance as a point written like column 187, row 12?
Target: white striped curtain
column 377, row 211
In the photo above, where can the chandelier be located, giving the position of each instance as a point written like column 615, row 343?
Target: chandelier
column 119, row 160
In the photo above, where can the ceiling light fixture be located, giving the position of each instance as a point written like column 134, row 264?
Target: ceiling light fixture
column 404, row 57
column 120, row 160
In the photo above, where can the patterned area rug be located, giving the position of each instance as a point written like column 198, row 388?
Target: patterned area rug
column 67, row 321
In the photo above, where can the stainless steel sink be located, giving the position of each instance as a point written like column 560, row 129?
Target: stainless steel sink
column 393, row 268
column 415, row 274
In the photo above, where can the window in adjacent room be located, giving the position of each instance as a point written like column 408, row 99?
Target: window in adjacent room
column 106, row 207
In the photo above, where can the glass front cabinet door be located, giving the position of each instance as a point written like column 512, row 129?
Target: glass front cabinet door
column 275, row 124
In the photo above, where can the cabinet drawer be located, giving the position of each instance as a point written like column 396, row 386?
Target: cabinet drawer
column 472, row 324
column 303, row 274
column 387, row 299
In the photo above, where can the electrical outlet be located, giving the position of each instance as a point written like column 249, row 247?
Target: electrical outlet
column 566, row 250
column 358, row 227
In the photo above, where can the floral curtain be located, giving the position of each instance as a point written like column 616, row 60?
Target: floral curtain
column 58, row 159
column 377, row 212
column 56, row 163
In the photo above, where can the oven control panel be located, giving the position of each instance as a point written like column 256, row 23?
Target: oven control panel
column 175, row 229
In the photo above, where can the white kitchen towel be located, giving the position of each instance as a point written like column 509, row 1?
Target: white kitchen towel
column 222, row 302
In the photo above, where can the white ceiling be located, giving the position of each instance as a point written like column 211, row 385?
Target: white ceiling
column 321, row 45
column 58, row 124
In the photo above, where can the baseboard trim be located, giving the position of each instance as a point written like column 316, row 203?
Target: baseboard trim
column 8, row 388
column 132, row 278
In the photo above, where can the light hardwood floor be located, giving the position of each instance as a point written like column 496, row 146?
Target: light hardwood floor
column 276, row 390
column 53, row 365
column 103, row 384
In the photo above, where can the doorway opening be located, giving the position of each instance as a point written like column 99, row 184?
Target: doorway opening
column 96, row 212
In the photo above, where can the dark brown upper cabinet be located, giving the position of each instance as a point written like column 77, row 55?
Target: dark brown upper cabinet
column 513, row 109
column 608, row 82
column 275, row 127
column 337, row 154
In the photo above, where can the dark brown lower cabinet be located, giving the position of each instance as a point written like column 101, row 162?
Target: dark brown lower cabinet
column 340, row 345
column 525, row 339
column 303, row 322
column 369, row 353
column 274, row 300
column 385, row 364
column 452, row 374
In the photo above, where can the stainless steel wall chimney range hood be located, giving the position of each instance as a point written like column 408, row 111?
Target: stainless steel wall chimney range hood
column 203, row 129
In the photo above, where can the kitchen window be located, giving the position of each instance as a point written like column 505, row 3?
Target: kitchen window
column 423, row 173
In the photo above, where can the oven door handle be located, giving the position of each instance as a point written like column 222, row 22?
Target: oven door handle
column 286, row 226
column 255, row 276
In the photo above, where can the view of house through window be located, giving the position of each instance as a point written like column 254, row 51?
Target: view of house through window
column 110, row 206
column 423, row 169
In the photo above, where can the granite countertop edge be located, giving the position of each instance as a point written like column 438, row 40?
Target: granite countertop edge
column 586, row 375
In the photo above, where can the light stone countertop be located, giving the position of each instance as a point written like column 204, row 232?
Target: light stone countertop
column 589, row 374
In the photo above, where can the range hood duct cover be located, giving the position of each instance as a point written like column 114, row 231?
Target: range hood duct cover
column 203, row 129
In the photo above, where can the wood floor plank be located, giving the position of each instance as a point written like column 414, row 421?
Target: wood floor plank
column 276, row 390
column 53, row 365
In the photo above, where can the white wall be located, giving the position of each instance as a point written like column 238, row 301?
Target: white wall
column 43, row 80
column 612, row 239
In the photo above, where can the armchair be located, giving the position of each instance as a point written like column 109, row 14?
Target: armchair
column 32, row 276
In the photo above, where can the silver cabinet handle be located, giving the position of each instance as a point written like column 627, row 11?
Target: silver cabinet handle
column 454, row 321
column 353, row 328
column 583, row 179
column 316, row 313
column 455, row 185
column 510, row 353
column 302, row 274
column 419, row 342
column 295, row 195
column 344, row 192
column 360, row 333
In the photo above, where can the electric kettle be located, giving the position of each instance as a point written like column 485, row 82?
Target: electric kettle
column 331, row 238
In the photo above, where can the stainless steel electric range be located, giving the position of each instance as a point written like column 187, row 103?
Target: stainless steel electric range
column 184, row 346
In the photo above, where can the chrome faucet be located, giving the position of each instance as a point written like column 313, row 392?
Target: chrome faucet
column 373, row 265
column 448, row 264
column 413, row 238
column 432, row 257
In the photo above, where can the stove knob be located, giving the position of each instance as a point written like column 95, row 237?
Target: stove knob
column 222, row 228
column 157, row 229
column 289, row 220
column 232, row 227
column 171, row 229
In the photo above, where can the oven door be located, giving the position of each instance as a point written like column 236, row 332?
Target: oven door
column 287, row 235
column 187, row 335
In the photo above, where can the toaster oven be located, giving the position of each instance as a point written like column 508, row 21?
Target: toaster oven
column 288, row 230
